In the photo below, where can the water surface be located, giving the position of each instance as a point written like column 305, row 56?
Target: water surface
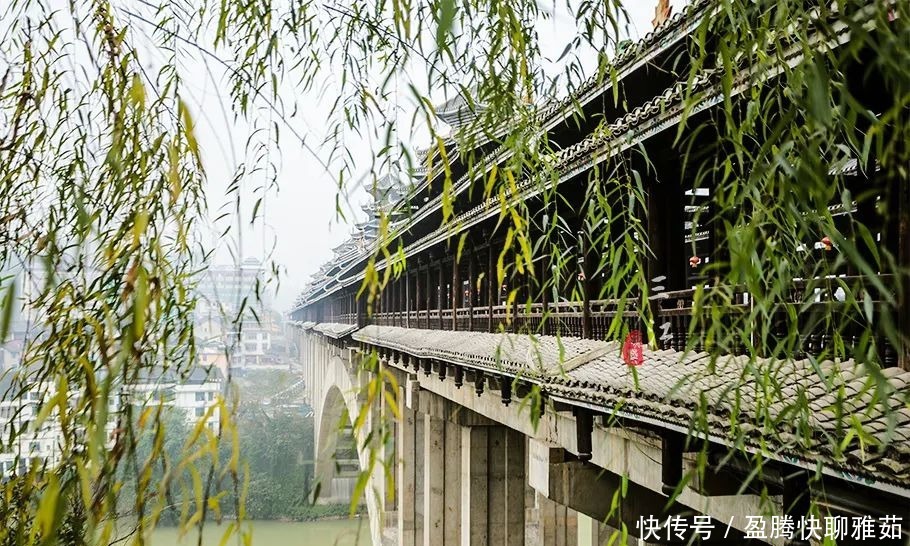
column 276, row 533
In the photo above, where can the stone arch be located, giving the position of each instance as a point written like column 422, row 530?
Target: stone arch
column 339, row 397
column 328, row 432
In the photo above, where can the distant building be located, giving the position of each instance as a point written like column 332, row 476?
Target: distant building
column 253, row 339
column 18, row 410
column 11, row 353
column 193, row 394
column 213, row 354
column 224, row 289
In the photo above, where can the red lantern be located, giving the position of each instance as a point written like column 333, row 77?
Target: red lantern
column 694, row 261
column 826, row 242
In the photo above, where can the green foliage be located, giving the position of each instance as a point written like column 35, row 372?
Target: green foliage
column 774, row 99
column 278, row 450
column 101, row 187
column 151, row 446
column 276, row 446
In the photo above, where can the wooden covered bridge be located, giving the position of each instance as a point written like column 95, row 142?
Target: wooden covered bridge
column 516, row 416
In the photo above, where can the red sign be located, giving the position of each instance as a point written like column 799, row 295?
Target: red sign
column 632, row 349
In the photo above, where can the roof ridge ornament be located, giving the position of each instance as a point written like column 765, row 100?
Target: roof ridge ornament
column 662, row 12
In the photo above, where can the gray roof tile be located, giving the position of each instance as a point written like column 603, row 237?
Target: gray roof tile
column 794, row 413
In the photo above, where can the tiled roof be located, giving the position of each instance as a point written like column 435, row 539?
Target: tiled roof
column 456, row 107
column 627, row 58
column 789, row 407
column 334, row 330
column 457, row 111
column 791, row 414
column 531, row 356
column 657, row 114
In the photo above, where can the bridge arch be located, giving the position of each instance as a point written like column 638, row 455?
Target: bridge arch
column 333, row 396
column 334, row 442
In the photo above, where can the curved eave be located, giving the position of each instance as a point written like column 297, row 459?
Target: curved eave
column 633, row 58
column 635, row 127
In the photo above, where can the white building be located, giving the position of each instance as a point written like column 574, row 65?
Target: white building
column 18, row 410
column 222, row 289
column 194, row 394
column 247, row 338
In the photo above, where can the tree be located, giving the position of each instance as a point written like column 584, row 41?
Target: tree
column 162, row 438
column 279, row 451
column 102, row 183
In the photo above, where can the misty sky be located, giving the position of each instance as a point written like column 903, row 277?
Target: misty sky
column 300, row 225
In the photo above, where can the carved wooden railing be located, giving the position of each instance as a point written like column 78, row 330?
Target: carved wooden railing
column 830, row 301
column 346, row 318
column 678, row 324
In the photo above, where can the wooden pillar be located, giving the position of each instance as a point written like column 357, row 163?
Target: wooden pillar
column 407, row 300
column 387, row 301
column 902, row 194
column 440, row 291
column 491, row 281
column 393, row 300
column 667, row 262
column 429, row 295
column 544, row 284
column 419, row 303
column 397, row 307
column 516, row 302
column 471, row 289
column 403, row 299
column 456, row 291
column 585, row 269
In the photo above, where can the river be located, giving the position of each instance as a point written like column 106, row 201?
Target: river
column 277, row 533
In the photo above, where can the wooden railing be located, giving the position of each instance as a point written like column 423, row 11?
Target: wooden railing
column 679, row 325
column 562, row 318
column 346, row 318
column 834, row 302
